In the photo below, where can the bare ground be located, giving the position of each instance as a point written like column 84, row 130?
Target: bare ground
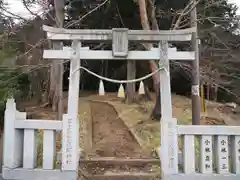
column 111, row 137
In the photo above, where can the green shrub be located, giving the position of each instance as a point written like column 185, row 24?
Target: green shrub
column 12, row 84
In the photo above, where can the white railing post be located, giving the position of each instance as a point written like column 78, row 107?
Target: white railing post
column 166, row 110
column 173, row 146
column 13, row 138
column 70, row 140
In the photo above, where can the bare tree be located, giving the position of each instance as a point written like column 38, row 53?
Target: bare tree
column 152, row 64
column 56, row 77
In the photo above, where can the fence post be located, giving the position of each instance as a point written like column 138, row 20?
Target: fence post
column 13, row 138
column 166, row 109
column 173, row 146
column 70, row 140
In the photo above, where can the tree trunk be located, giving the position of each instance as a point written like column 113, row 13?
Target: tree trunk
column 131, row 74
column 156, row 113
column 56, row 75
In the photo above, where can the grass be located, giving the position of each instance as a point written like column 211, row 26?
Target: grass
column 39, row 141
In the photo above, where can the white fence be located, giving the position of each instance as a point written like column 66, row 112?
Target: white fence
column 20, row 147
column 208, row 152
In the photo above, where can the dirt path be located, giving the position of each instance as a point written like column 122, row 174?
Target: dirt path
column 111, row 137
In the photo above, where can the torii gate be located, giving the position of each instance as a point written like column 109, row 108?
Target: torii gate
column 20, row 133
column 120, row 39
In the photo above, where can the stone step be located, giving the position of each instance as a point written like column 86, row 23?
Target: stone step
column 124, row 176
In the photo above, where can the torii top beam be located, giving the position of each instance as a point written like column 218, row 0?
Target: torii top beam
column 107, row 35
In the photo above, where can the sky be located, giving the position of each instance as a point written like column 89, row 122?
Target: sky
column 238, row 4
column 17, row 7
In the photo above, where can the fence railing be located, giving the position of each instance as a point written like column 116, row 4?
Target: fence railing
column 20, row 146
column 208, row 152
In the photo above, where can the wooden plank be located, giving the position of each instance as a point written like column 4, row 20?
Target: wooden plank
column 13, row 139
column 107, row 55
column 236, row 154
column 208, row 130
column 206, row 150
column 222, row 154
column 106, row 35
column 49, row 149
column 202, row 177
column 29, row 149
column 120, row 42
column 38, row 124
column 118, row 161
column 188, row 154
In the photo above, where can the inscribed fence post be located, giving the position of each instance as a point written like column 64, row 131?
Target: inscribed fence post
column 70, row 132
